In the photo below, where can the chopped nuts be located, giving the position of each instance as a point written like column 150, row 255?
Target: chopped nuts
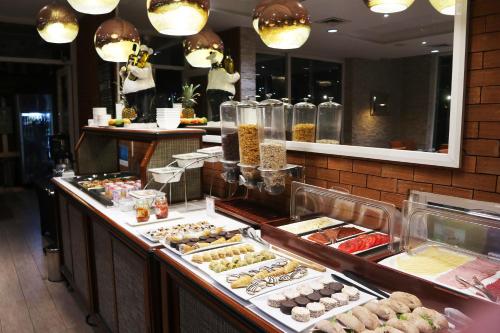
column 273, row 155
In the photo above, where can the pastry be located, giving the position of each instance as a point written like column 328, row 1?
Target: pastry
column 301, row 314
column 387, row 329
column 291, row 294
column 287, row 306
column 301, row 301
column 351, row 322
column 368, row 318
column 314, row 297
column 326, row 326
column 305, row 291
column 438, row 320
column 396, row 305
column 341, row 298
column 326, row 280
column 241, row 282
column 402, row 325
column 326, row 292
column 316, row 286
column 382, row 311
column 275, row 300
column 335, row 286
column 351, row 292
column 410, row 300
column 328, row 302
column 423, row 325
column 316, row 309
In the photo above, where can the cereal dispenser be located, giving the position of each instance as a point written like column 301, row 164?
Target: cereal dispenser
column 304, row 122
column 329, row 124
column 248, row 139
column 229, row 141
column 288, row 108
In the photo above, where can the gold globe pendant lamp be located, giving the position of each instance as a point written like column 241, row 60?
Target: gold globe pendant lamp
column 388, row 6
column 285, row 25
column 198, row 47
column 257, row 12
column 94, row 7
column 446, row 7
column 56, row 23
column 115, row 39
column 178, row 17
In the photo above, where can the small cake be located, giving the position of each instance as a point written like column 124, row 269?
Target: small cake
column 335, row 286
column 341, row 298
column 316, row 309
column 314, row 297
column 327, row 280
column 351, row 292
column 305, row 291
column 275, row 300
column 328, row 302
column 301, row 314
column 326, row 292
column 287, row 306
column 316, row 286
column 301, row 301
column 291, row 294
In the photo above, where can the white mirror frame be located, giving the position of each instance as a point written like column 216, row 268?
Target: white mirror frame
column 453, row 158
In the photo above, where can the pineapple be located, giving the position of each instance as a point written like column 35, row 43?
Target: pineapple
column 188, row 100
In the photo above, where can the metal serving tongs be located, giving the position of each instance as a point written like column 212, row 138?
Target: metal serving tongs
column 476, row 284
column 252, row 234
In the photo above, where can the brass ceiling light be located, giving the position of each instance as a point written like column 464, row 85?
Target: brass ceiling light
column 116, row 39
column 446, row 7
column 257, row 12
column 178, row 17
column 94, row 7
column 388, row 6
column 197, row 48
column 284, row 24
column 56, row 23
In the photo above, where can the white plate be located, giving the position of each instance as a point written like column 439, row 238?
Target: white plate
column 302, row 227
column 172, row 215
column 261, row 303
column 363, row 229
column 204, row 266
column 241, row 292
column 336, row 245
column 210, row 247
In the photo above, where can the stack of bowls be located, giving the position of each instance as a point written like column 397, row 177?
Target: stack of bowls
column 100, row 117
column 168, row 118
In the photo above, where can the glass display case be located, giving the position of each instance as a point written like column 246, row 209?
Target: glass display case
column 304, row 122
column 449, row 247
column 329, row 123
column 229, row 131
column 343, row 221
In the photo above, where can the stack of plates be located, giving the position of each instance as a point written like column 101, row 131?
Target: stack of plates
column 168, row 118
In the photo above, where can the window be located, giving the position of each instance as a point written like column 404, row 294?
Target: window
column 271, row 76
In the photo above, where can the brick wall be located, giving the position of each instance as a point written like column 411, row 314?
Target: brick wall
column 479, row 177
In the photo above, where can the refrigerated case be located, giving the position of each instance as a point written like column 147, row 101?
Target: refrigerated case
column 35, row 115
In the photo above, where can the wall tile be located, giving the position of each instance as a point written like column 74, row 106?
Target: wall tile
column 489, row 130
column 397, row 171
column 366, row 192
column 404, row 187
column 484, row 77
column 338, row 163
column 489, row 165
column 328, row 174
column 440, row 176
column 491, row 59
column 473, row 95
column 490, row 94
column 481, row 147
column 453, row 191
column 485, row 42
column 474, row 181
column 487, row 196
column 393, row 198
column 469, row 163
column 485, row 7
column 483, row 112
column 367, row 167
column 317, row 160
column 382, row 183
column 350, row 178
column 471, row 129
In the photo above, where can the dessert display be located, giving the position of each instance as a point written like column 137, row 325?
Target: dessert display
column 210, row 239
column 223, row 265
column 374, row 316
column 333, row 235
column 306, row 226
column 226, row 252
column 182, row 231
column 363, row 243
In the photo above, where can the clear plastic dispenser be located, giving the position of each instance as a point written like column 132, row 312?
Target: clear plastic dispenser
column 288, row 108
column 248, row 138
column 304, row 122
column 448, row 246
column 315, row 208
column 329, row 124
column 272, row 145
column 229, row 131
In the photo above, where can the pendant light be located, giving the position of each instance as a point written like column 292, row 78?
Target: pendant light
column 257, row 12
column 446, row 7
column 178, row 17
column 197, row 48
column 284, row 24
column 56, row 23
column 388, row 6
column 116, row 39
column 94, row 7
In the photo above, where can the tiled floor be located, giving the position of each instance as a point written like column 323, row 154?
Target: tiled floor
column 28, row 301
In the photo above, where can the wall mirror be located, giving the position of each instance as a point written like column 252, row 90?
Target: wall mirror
column 414, row 60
